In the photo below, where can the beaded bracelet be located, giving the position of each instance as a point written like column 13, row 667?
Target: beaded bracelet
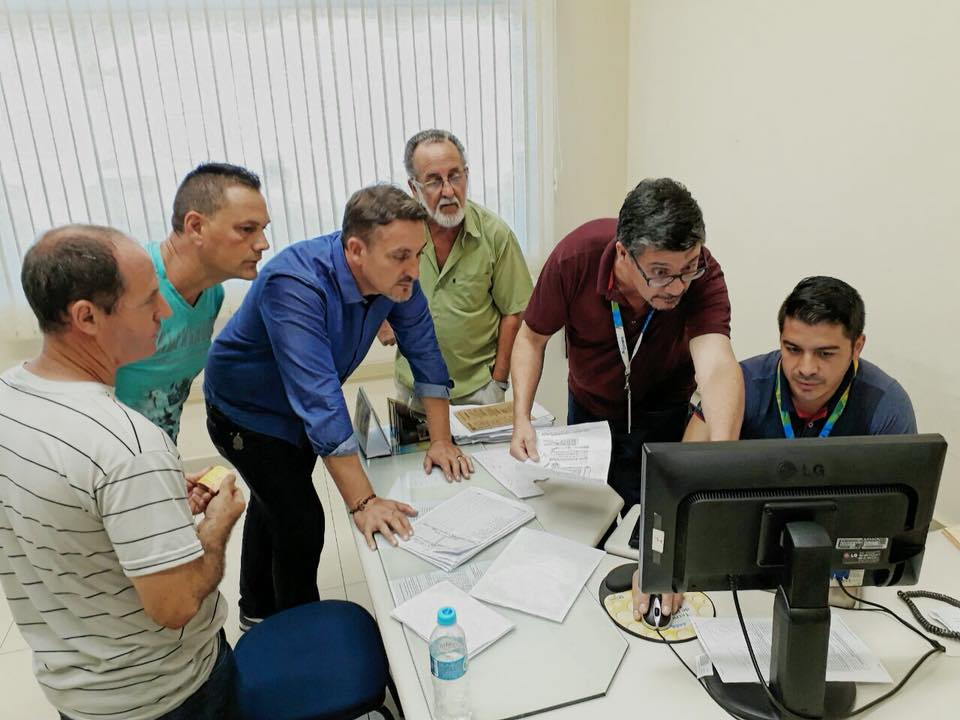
column 362, row 504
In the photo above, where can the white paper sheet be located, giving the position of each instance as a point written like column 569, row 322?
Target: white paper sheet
column 538, row 573
column 459, row 528
column 848, row 660
column 464, row 577
column 481, row 626
column 507, row 471
column 575, row 452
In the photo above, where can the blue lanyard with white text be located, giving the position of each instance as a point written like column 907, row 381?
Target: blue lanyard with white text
column 625, row 354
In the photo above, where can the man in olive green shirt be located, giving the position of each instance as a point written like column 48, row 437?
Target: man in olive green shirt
column 472, row 272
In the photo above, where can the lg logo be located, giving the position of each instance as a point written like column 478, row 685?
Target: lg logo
column 786, row 470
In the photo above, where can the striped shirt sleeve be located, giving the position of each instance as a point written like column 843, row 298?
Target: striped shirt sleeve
column 143, row 507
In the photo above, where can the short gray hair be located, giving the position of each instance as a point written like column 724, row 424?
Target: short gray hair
column 71, row 263
column 432, row 135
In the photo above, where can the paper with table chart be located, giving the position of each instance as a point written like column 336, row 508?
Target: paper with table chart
column 458, row 528
column 490, row 423
column 402, row 491
column 507, row 471
column 848, row 660
column 574, row 452
column 481, row 625
column 464, row 577
column 538, row 573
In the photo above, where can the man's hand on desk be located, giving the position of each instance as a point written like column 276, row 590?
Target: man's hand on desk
column 670, row 602
column 449, row 458
column 523, row 442
column 385, row 517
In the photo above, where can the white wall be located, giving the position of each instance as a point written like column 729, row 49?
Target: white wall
column 820, row 137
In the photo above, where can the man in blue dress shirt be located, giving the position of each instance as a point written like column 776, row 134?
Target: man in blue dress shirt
column 274, row 398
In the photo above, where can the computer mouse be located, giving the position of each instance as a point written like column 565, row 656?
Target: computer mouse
column 655, row 617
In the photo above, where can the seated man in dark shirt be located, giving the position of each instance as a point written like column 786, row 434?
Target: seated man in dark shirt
column 816, row 384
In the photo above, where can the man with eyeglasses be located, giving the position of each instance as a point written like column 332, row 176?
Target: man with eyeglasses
column 646, row 316
column 472, row 272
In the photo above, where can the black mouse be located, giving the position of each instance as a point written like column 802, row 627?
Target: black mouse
column 655, row 617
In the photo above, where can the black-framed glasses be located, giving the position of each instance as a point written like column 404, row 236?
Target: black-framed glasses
column 662, row 281
column 435, row 184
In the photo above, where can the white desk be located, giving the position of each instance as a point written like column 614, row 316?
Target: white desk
column 649, row 679
column 619, row 541
column 532, row 668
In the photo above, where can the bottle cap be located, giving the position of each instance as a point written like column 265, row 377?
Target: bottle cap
column 446, row 616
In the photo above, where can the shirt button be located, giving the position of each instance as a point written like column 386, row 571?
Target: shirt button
column 810, row 424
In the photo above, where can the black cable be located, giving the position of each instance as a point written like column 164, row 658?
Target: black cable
column 907, row 597
column 691, row 671
column 891, row 613
column 781, row 708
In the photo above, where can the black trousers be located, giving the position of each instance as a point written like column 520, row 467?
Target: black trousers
column 283, row 529
column 627, row 452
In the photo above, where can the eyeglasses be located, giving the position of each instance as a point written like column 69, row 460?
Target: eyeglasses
column 435, row 184
column 662, row 281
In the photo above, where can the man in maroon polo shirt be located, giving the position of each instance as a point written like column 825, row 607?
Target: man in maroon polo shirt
column 650, row 269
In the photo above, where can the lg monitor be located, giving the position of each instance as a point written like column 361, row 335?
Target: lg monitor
column 787, row 515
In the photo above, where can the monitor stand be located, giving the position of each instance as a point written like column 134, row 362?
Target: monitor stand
column 801, row 636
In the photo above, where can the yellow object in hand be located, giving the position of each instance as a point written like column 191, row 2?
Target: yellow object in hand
column 214, row 477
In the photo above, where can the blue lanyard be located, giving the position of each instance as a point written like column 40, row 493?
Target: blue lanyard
column 625, row 355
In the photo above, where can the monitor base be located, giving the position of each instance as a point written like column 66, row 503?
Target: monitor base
column 749, row 701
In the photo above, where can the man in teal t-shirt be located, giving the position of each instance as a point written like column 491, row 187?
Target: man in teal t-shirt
column 219, row 217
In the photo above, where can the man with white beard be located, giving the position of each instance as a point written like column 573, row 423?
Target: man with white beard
column 472, row 273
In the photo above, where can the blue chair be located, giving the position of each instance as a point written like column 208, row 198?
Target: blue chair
column 320, row 661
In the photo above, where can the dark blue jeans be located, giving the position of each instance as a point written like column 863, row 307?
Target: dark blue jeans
column 216, row 698
column 627, row 452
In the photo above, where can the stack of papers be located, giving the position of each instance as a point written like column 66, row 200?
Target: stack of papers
column 508, row 471
column 575, row 452
column 490, row 423
column 457, row 529
column 848, row 658
column 481, row 626
column 538, row 573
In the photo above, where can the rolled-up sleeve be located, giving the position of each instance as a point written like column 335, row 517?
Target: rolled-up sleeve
column 294, row 316
column 417, row 342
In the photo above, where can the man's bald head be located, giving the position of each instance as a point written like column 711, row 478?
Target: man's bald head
column 71, row 263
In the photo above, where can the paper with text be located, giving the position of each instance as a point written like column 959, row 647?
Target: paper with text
column 848, row 659
column 507, row 471
column 574, row 452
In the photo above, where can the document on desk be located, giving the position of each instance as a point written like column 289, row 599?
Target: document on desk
column 481, row 625
column 538, row 573
column 458, row 528
column 848, row 659
column 576, row 452
column 464, row 577
column 507, row 471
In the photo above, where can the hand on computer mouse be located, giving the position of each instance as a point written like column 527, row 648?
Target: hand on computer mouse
column 669, row 603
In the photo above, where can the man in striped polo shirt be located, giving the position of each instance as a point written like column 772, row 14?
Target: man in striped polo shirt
column 109, row 580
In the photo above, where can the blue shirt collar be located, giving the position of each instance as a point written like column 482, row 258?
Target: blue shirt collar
column 348, row 284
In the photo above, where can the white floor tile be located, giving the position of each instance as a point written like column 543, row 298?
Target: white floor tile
column 21, row 696
column 14, row 641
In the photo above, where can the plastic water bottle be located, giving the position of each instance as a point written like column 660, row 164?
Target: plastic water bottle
column 448, row 665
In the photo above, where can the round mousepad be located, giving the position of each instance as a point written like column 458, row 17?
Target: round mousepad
column 619, row 606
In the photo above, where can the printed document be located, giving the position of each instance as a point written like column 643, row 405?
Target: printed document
column 538, row 573
column 848, row 660
column 481, row 626
column 574, row 452
column 507, row 471
column 458, row 528
column 464, row 577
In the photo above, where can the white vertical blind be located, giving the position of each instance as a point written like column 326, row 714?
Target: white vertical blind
column 105, row 105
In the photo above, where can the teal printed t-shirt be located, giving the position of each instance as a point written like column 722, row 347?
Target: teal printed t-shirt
column 158, row 386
